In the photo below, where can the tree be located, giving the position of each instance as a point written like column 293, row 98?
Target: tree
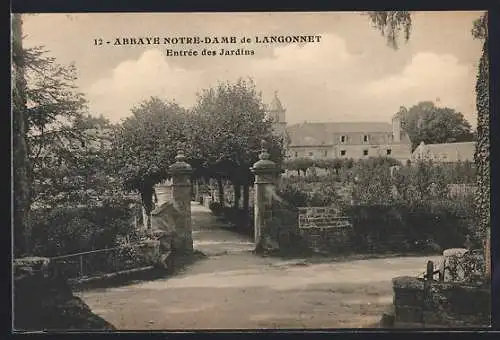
column 78, row 174
column 21, row 189
column 145, row 145
column 232, row 118
column 430, row 124
column 300, row 164
column 45, row 104
column 54, row 106
column 391, row 23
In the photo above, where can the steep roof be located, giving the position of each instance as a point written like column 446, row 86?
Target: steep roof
column 275, row 104
column 323, row 133
column 451, row 152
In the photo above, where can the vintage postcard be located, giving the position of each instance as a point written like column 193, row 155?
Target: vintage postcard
column 247, row 171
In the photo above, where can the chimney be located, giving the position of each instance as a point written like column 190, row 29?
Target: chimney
column 396, row 129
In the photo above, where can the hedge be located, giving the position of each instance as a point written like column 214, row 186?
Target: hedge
column 60, row 231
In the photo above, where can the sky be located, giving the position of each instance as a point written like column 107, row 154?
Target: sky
column 351, row 74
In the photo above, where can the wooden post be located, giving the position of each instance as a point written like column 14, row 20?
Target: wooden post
column 430, row 270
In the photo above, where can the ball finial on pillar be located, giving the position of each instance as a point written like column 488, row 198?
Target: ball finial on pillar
column 264, row 154
column 180, row 164
column 180, row 156
column 264, row 164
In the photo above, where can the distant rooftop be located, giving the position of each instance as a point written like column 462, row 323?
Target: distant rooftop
column 451, row 151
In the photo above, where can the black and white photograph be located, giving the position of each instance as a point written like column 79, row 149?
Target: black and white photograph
column 250, row 171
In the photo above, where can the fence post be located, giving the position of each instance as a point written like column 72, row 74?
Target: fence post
column 265, row 172
column 430, row 270
column 81, row 266
column 181, row 196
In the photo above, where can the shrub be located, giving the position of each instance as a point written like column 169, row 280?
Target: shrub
column 217, row 208
column 283, row 228
column 401, row 210
column 401, row 226
column 323, row 196
column 293, row 195
column 59, row 231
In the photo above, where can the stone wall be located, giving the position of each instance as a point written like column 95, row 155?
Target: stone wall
column 430, row 304
column 324, row 229
column 329, row 240
column 43, row 300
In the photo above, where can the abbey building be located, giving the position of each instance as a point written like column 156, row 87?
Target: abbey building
column 340, row 140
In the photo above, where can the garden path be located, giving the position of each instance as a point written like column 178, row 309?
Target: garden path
column 212, row 236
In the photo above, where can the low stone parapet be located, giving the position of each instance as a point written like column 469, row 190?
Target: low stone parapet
column 43, row 300
column 430, row 304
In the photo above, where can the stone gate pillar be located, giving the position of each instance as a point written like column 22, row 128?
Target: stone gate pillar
column 265, row 172
column 163, row 192
column 181, row 198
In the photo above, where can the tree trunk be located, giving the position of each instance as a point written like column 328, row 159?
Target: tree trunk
column 147, row 193
column 196, row 190
column 220, row 187
column 481, row 155
column 237, row 195
column 246, row 198
column 21, row 185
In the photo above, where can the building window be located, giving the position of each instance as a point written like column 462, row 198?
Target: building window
column 343, row 139
column 296, row 154
column 342, row 152
column 365, row 138
column 365, row 152
column 389, row 151
column 325, row 153
column 311, row 154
